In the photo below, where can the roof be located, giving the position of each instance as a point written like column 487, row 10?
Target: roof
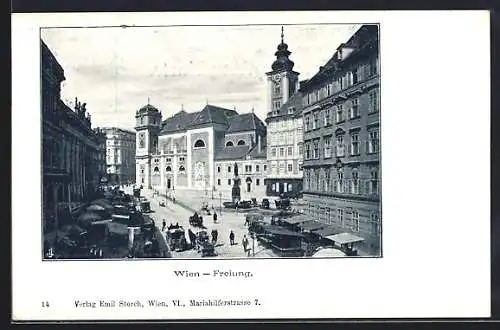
column 230, row 153
column 148, row 108
column 213, row 115
column 345, row 238
column 210, row 114
column 294, row 101
column 245, row 122
column 254, row 153
column 363, row 37
column 178, row 122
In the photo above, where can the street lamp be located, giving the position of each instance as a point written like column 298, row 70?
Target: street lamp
column 220, row 202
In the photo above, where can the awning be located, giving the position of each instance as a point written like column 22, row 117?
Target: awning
column 312, row 225
column 345, row 238
column 327, row 231
column 276, row 230
column 296, row 219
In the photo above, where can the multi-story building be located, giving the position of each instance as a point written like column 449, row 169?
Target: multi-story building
column 101, row 155
column 70, row 148
column 120, row 155
column 341, row 141
column 284, row 124
column 192, row 150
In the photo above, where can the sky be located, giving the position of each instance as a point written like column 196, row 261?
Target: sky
column 117, row 70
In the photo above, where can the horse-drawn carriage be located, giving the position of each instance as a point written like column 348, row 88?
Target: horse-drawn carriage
column 176, row 238
column 204, row 245
column 196, row 220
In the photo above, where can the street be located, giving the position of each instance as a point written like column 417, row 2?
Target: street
column 173, row 213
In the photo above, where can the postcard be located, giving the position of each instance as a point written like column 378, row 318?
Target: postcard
column 273, row 165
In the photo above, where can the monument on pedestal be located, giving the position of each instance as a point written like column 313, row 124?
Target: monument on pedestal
column 236, row 192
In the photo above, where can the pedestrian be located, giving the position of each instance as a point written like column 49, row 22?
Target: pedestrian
column 164, row 225
column 215, row 217
column 231, row 238
column 245, row 243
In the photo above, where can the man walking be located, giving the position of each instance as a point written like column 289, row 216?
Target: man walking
column 245, row 243
column 231, row 238
column 215, row 217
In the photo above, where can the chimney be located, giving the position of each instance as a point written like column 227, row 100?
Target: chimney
column 259, row 144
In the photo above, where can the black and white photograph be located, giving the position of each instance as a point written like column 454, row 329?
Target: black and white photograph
column 187, row 142
column 158, row 145
column 280, row 165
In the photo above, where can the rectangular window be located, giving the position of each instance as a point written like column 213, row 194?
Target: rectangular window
column 355, row 76
column 273, row 152
column 374, row 223
column 218, row 169
column 308, row 150
column 181, row 159
column 229, row 169
column 373, row 187
column 257, row 168
column 329, row 89
column 315, row 120
column 282, row 152
column 373, row 66
column 339, row 113
column 308, row 123
column 301, row 147
column 328, row 146
column 340, row 182
column 340, row 146
column 257, row 182
column 228, row 182
column 327, row 117
column 290, row 168
column 300, row 166
column 354, row 108
column 277, row 105
column 316, row 149
column 277, row 89
column 355, row 183
column 373, row 102
column 354, row 144
column 373, row 142
column 290, row 151
column 355, row 221
column 265, row 168
column 168, row 160
column 340, row 216
column 218, row 182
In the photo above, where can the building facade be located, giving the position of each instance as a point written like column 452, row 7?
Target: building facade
column 186, row 150
column 120, row 155
column 342, row 140
column 70, row 147
column 284, row 124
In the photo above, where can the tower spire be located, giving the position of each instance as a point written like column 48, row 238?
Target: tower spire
column 282, row 34
column 148, row 100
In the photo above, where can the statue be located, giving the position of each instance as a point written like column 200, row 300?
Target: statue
column 236, row 191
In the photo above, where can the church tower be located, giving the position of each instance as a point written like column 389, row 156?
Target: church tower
column 282, row 81
column 148, row 126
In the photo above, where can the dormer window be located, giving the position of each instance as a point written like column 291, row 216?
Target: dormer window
column 229, row 144
column 241, row 143
column 291, row 110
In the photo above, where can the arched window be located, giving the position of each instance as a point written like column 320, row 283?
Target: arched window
column 229, row 144
column 181, row 168
column 199, row 144
column 241, row 143
column 156, row 169
column 168, row 169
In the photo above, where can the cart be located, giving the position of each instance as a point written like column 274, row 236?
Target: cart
column 176, row 239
